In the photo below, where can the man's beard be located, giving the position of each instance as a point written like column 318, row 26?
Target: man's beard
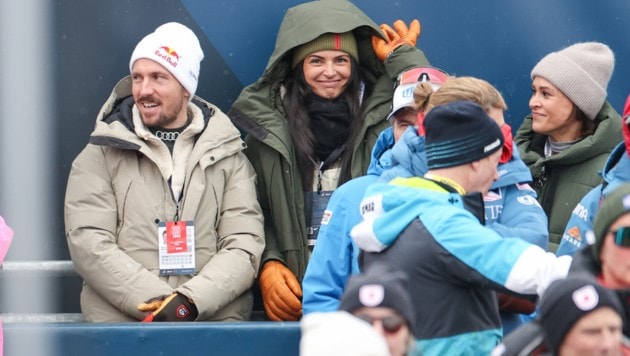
column 165, row 119
column 162, row 121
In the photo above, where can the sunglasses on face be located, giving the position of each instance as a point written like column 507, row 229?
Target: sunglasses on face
column 391, row 324
column 622, row 236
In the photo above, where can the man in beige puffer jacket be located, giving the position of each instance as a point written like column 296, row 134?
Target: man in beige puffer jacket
column 161, row 214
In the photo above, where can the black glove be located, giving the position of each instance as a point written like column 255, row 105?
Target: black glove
column 174, row 307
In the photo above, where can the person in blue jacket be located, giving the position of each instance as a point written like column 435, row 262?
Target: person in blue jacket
column 431, row 227
column 511, row 207
column 334, row 257
column 578, row 233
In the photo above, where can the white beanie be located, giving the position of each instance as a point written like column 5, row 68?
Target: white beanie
column 581, row 72
column 339, row 333
column 176, row 48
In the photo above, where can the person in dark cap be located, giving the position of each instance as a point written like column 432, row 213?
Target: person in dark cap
column 380, row 297
column 577, row 316
column 608, row 258
column 511, row 206
column 431, row 227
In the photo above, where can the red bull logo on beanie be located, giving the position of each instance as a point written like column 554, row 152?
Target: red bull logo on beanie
column 168, row 54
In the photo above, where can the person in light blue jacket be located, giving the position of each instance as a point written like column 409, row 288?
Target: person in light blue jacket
column 578, row 233
column 431, row 227
column 511, row 207
column 334, row 257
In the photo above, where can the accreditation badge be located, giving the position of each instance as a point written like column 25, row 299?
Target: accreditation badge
column 176, row 240
column 315, row 204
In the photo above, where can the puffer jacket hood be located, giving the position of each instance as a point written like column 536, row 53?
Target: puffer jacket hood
column 381, row 153
column 115, row 127
column 255, row 110
column 617, row 168
column 408, row 157
column 114, row 121
column 304, row 23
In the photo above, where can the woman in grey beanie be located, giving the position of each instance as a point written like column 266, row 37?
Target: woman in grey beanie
column 571, row 130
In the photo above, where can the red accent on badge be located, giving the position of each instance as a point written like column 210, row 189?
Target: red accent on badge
column 176, row 237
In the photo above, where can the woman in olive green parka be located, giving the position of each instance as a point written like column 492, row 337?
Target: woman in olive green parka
column 260, row 112
column 566, row 140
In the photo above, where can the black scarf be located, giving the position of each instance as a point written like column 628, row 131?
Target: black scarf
column 330, row 123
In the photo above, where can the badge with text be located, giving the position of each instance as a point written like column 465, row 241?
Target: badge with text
column 177, row 247
column 314, row 207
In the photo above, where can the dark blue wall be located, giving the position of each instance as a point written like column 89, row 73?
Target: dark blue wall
column 496, row 41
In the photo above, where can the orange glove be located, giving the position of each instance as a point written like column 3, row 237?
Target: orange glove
column 281, row 292
column 395, row 38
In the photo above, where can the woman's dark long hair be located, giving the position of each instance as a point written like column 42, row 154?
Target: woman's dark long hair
column 298, row 93
column 588, row 126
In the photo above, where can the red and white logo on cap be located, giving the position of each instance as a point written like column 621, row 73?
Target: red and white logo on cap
column 586, row 298
column 371, row 295
column 169, row 55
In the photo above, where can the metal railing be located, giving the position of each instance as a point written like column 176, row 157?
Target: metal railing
column 45, row 269
column 54, row 269
column 41, row 268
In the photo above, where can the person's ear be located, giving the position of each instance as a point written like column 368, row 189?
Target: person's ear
column 475, row 165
